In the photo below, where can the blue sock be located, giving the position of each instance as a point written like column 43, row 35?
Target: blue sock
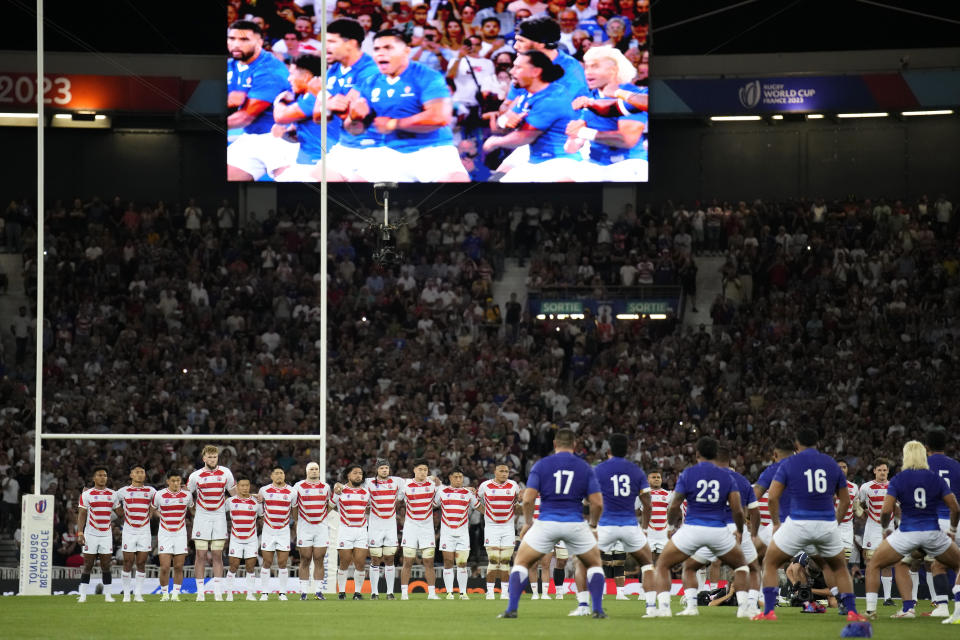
column 942, row 588
column 518, row 578
column 596, row 584
column 849, row 601
column 770, row 599
column 951, row 576
column 909, row 604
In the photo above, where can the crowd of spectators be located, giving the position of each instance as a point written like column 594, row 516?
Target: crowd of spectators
column 169, row 319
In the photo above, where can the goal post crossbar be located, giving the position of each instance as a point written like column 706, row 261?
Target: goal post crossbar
column 180, row 436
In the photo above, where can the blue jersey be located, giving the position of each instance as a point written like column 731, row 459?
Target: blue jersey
column 564, row 482
column 340, row 80
column 620, row 481
column 548, row 111
column 263, row 79
column 573, row 82
column 811, row 479
column 948, row 469
column 405, row 96
column 920, row 493
column 747, row 496
column 309, row 133
column 606, row 154
column 707, row 488
column 764, row 482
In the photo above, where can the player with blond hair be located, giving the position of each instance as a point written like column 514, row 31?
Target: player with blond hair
column 210, row 486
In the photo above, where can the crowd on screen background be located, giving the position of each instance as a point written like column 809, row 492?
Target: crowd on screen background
column 172, row 319
column 440, row 33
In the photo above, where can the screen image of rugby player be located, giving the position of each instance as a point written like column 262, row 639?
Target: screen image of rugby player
column 438, row 92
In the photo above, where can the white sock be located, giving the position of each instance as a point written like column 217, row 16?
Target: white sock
column 462, row 579
column 283, row 574
column 251, row 583
column 887, row 582
column 651, row 597
column 491, row 586
column 163, row 588
column 835, row 591
column 431, row 590
column 138, row 584
column 701, row 580
column 229, row 581
column 374, row 578
column 448, row 580
column 342, row 580
column 743, row 600
column 390, row 577
column 358, row 575
column 404, row 589
column 304, row 586
column 915, row 578
column 620, row 591
column 583, row 597
column 691, row 597
column 264, row 580
column 176, row 589
column 217, row 586
column 125, row 581
column 663, row 600
column 753, row 596
column 534, row 588
column 932, row 590
column 872, row 601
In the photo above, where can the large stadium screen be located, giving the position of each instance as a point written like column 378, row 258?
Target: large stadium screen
column 427, row 91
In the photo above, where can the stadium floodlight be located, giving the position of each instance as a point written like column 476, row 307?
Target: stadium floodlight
column 869, row 114
column 776, row 117
column 814, row 116
column 628, row 316
column 658, row 316
column 18, row 119
column 932, row 112
column 734, row 118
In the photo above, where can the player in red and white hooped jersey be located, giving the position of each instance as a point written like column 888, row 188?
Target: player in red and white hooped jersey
column 210, row 486
column 353, row 503
column 245, row 512
column 135, row 501
column 846, row 526
column 94, row 513
column 660, row 500
column 382, row 540
column 172, row 504
column 418, row 532
column 870, row 497
column 455, row 502
column 279, row 505
column 312, row 535
column 501, row 499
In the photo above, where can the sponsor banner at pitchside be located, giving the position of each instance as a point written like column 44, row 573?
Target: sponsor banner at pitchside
column 36, row 547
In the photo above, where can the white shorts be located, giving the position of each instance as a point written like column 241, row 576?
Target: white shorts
column 312, row 535
column 274, row 539
column 765, row 534
column 352, row 537
column 499, row 535
column 429, row 164
column 819, row 536
column 554, row 170
column 136, row 539
column 242, row 548
column 691, row 538
column 632, row 170
column 418, row 534
column 657, row 540
column 346, row 160
column 933, row 543
column 261, row 153
column 629, row 538
column 543, row 536
column 454, row 539
column 298, row 173
column 520, row 155
column 945, row 527
column 381, row 532
column 846, row 535
column 172, row 542
column 706, row 556
column 872, row 535
column 209, row 526
column 98, row 545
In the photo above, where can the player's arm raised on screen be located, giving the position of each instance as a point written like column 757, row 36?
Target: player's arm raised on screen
column 773, row 502
column 886, row 513
column 514, row 139
column 250, row 111
column 288, row 113
column 435, row 115
column 647, row 505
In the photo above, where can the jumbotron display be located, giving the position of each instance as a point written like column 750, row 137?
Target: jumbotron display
column 438, row 92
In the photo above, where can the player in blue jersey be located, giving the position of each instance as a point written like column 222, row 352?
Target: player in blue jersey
column 621, row 482
column 349, row 68
column 810, row 480
column 254, row 80
column 783, row 449
column 705, row 557
column 562, row 481
column 542, row 33
column 617, row 144
column 538, row 118
column 708, row 490
column 948, row 469
column 407, row 110
column 293, row 113
column 920, row 492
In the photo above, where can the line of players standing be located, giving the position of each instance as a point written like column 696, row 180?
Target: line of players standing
column 390, row 116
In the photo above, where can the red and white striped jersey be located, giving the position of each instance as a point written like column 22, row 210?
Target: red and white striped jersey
column 536, row 508
column 871, row 496
column 498, row 501
column 764, row 506
column 384, row 495
column 312, row 499
column 277, row 503
column 243, row 517
column 352, row 504
column 172, row 508
column 136, row 505
column 660, row 500
column 455, row 506
column 210, row 488
column 852, row 490
column 418, row 497
column 99, row 504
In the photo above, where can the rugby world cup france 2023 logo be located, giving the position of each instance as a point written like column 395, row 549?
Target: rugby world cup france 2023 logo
column 40, row 506
column 750, row 94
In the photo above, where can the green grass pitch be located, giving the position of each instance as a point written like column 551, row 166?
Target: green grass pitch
column 63, row 617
